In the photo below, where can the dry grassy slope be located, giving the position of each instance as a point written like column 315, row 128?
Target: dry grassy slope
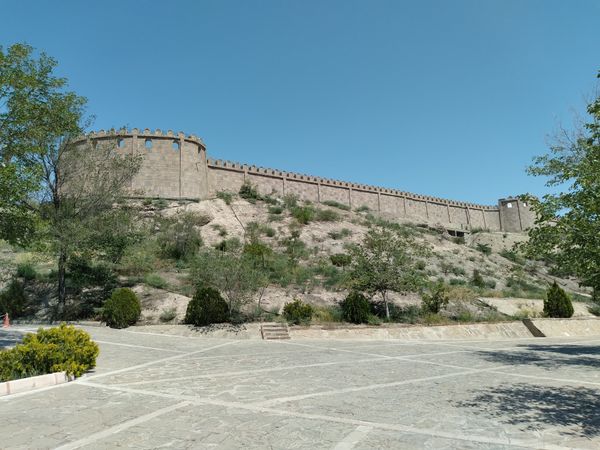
column 448, row 256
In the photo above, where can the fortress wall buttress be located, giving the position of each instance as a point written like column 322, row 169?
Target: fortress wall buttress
column 438, row 213
column 492, row 220
column 365, row 198
column 266, row 184
column 340, row 194
column 458, row 215
column 302, row 189
column 392, row 205
column 476, row 218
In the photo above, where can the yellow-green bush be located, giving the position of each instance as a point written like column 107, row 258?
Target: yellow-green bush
column 63, row 348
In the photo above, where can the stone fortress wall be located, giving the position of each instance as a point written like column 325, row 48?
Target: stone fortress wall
column 176, row 167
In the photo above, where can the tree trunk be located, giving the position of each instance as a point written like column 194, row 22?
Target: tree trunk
column 62, row 286
column 387, row 306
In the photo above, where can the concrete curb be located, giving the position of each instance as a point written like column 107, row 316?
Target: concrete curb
column 33, row 383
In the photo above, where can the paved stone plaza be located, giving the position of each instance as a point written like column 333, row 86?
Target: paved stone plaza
column 154, row 391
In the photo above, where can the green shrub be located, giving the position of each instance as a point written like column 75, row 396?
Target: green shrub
column 513, row 256
column 340, row 259
column 437, row 299
column 156, row 281
column 484, row 248
column 290, row 201
column 249, row 192
column 179, row 237
column 121, row 309
column 298, row 312
column 168, row 315
column 335, row 204
column 140, row 257
column 206, row 307
column 227, row 197
column 340, row 234
column 363, row 208
column 26, row 271
column 594, row 309
column 220, row 229
column 326, row 215
column 477, row 280
column 63, row 348
column 303, row 214
column 356, row 308
column 557, row 303
column 275, row 210
column 13, row 300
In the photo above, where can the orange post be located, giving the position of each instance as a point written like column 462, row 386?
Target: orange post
column 6, row 323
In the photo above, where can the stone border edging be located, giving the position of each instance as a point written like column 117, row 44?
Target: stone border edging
column 33, row 383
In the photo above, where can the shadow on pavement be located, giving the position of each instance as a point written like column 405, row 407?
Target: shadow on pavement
column 547, row 356
column 535, row 407
column 9, row 338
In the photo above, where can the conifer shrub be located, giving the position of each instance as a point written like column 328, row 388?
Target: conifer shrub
column 356, row 308
column 14, row 300
column 557, row 303
column 206, row 307
column 63, row 348
column 298, row 312
column 121, row 309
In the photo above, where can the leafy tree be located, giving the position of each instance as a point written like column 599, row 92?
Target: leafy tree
column 44, row 177
column 567, row 225
column 236, row 275
column 436, row 299
column 557, row 303
column 384, row 262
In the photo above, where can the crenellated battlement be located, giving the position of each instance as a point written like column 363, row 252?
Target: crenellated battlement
column 145, row 133
column 176, row 167
column 240, row 167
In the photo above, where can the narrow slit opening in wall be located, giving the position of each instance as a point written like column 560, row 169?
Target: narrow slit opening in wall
column 175, row 145
column 148, row 143
column 121, row 143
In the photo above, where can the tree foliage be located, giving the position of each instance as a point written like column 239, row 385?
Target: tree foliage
column 386, row 261
column 567, row 227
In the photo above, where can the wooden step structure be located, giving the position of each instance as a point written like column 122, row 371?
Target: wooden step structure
column 274, row 331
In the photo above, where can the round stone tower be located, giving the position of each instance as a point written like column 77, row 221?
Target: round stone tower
column 173, row 167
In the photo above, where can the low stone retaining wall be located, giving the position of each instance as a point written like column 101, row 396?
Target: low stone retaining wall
column 575, row 326
column 31, row 383
column 504, row 330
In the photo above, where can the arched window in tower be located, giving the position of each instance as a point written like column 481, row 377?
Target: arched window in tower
column 148, row 143
column 176, row 146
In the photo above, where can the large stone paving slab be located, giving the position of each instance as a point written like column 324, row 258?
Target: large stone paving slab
column 152, row 391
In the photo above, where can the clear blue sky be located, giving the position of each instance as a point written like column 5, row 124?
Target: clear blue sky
column 446, row 98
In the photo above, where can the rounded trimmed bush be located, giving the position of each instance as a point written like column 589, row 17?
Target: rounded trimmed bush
column 121, row 309
column 298, row 312
column 63, row 348
column 206, row 307
column 557, row 303
column 355, row 308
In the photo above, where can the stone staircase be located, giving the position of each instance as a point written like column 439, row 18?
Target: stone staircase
column 273, row 331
